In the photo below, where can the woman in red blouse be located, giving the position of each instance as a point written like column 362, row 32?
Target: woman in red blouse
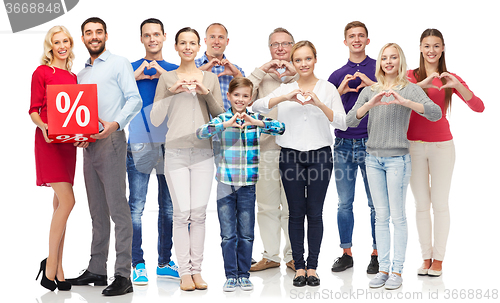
column 432, row 150
column 55, row 162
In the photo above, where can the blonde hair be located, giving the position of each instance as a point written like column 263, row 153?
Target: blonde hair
column 48, row 56
column 401, row 80
column 300, row 44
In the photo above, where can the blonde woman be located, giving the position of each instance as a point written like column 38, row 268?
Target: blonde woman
column 55, row 162
column 188, row 96
column 388, row 165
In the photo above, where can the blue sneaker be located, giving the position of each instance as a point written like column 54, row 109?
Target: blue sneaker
column 230, row 285
column 139, row 275
column 245, row 283
column 170, row 270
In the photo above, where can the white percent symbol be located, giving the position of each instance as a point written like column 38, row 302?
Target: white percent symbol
column 67, row 104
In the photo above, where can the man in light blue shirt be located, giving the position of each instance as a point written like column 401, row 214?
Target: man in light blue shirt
column 104, row 160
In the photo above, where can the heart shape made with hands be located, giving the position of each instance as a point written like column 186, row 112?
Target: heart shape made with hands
column 191, row 88
column 303, row 98
column 149, row 71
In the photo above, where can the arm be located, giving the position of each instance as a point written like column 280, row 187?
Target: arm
column 215, row 126
column 214, row 97
column 271, row 126
column 161, row 102
column 463, row 91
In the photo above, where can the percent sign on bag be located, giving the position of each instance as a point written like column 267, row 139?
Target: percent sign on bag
column 72, row 112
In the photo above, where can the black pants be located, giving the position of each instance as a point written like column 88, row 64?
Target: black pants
column 306, row 176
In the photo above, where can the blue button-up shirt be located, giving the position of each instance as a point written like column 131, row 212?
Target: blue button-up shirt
column 117, row 94
column 240, row 148
column 223, row 80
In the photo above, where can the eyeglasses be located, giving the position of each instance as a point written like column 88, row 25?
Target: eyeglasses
column 282, row 44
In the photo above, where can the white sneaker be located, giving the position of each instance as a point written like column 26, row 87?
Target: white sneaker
column 394, row 282
column 379, row 280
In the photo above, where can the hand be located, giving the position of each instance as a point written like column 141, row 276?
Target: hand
column 365, row 81
column 229, row 69
column 109, row 128
column 81, row 144
column 249, row 120
column 139, row 72
column 159, row 69
column 427, row 82
column 451, row 81
column 233, row 122
column 273, row 66
column 45, row 131
column 180, row 86
column 397, row 98
column 208, row 66
column 311, row 98
column 200, row 88
column 377, row 99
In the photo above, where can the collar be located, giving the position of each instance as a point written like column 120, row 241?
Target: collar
column 103, row 57
column 364, row 62
column 205, row 60
column 230, row 111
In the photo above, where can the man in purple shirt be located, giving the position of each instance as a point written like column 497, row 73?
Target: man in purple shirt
column 350, row 148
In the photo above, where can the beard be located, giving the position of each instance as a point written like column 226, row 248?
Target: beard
column 93, row 51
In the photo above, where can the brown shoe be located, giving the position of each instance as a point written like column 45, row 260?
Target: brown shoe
column 291, row 264
column 264, row 264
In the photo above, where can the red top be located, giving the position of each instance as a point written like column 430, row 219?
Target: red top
column 55, row 162
column 421, row 129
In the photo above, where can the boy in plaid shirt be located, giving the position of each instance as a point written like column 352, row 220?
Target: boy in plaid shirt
column 237, row 173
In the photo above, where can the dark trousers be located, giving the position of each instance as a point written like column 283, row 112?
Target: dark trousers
column 306, row 176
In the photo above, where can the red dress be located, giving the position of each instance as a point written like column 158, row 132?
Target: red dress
column 55, row 162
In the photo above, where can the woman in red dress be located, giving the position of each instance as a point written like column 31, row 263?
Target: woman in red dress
column 55, row 162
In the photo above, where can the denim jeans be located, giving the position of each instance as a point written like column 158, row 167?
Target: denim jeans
column 141, row 159
column 389, row 178
column 236, row 210
column 349, row 154
column 305, row 176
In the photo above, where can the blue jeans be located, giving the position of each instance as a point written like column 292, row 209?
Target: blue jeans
column 349, row 154
column 305, row 176
column 236, row 210
column 141, row 159
column 388, row 178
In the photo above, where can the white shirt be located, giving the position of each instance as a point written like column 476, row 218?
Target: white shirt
column 306, row 126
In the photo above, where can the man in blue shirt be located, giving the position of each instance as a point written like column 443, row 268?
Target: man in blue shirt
column 104, row 160
column 350, row 148
column 214, row 60
column 145, row 152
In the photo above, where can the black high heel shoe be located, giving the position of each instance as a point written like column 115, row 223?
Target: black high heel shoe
column 63, row 285
column 45, row 282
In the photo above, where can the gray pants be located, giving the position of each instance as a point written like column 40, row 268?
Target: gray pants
column 105, row 171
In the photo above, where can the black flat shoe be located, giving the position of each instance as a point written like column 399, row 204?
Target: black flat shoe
column 45, row 282
column 88, row 278
column 119, row 286
column 63, row 285
column 373, row 266
column 299, row 281
column 312, row 281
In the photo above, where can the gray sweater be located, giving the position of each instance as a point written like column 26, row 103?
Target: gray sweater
column 388, row 124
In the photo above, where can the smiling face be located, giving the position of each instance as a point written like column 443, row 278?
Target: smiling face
column 152, row 38
column 432, row 48
column 281, row 52
column 390, row 62
column 240, row 98
column 187, row 46
column 356, row 39
column 94, row 37
column 216, row 40
column 61, row 46
column 304, row 60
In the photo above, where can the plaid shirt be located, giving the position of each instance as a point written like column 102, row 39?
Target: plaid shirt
column 223, row 80
column 240, row 148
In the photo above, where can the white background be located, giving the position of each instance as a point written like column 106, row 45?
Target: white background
column 470, row 30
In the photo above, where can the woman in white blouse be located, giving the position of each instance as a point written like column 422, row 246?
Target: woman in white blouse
column 308, row 108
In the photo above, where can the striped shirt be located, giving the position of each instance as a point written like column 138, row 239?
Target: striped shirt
column 240, row 148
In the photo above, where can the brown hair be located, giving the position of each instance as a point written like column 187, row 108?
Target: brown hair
column 239, row 82
column 300, row 44
column 95, row 20
column 420, row 73
column 186, row 30
column 354, row 24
